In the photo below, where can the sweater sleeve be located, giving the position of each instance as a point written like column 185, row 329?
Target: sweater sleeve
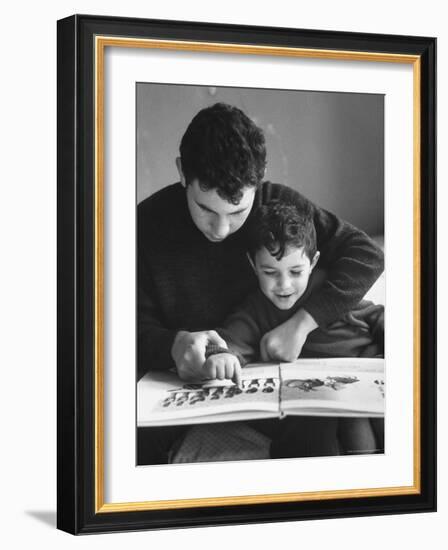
column 352, row 260
column 242, row 333
column 154, row 340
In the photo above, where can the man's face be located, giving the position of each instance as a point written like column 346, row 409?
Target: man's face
column 215, row 217
column 283, row 281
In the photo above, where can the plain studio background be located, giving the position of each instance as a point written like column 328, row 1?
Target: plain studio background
column 28, row 274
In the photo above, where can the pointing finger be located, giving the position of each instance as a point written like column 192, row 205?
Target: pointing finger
column 237, row 374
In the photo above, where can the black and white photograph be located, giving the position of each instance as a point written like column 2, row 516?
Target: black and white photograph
column 260, row 274
column 245, row 258
column 223, row 275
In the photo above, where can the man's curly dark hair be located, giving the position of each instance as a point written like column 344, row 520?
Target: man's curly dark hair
column 279, row 225
column 225, row 150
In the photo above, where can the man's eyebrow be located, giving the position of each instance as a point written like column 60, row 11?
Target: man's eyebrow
column 205, row 207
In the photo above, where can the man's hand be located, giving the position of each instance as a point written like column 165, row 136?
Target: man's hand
column 285, row 342
column 188, row 352
column 222, row 366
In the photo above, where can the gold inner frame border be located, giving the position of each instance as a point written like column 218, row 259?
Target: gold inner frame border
column 100, row 44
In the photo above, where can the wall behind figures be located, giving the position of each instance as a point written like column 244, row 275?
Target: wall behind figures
column 327, row 145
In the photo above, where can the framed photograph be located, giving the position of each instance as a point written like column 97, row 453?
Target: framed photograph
column 246, row 274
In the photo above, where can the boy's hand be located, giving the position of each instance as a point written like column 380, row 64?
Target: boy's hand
column 222, row 366
column 188, row 352
column 285, row 342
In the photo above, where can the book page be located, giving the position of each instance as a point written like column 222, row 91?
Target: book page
column 164, row 399
column 333, row 387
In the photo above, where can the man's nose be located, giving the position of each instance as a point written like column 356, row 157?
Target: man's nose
column 221, row 228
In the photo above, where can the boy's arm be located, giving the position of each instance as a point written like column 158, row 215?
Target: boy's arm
column 285, row 342
column 242, row 333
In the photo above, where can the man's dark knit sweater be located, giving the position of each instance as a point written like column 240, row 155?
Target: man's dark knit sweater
column 186, row 282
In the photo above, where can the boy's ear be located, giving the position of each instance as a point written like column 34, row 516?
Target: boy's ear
column 251, row 261
column 315, row 259
column 181, row 173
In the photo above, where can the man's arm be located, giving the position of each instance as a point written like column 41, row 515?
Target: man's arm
column 155, row 341
column 353, row 262
column 161, row 348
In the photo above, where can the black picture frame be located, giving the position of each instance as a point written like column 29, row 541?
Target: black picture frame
column 79, row 508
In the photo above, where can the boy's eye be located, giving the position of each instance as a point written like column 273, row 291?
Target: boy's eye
column 268, row 272
column 296, row 273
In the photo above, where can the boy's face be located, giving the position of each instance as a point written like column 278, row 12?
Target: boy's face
column 215, row 217
column 284, row 281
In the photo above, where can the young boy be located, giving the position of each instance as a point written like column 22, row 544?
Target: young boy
column 282, row 251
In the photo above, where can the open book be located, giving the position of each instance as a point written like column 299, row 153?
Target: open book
column 318, row 387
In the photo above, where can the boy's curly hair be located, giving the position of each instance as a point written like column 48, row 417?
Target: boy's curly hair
column 225, row 150
column 280, row 225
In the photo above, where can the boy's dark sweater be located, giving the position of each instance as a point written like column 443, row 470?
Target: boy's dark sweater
column 359, row 333
column 187, row 282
